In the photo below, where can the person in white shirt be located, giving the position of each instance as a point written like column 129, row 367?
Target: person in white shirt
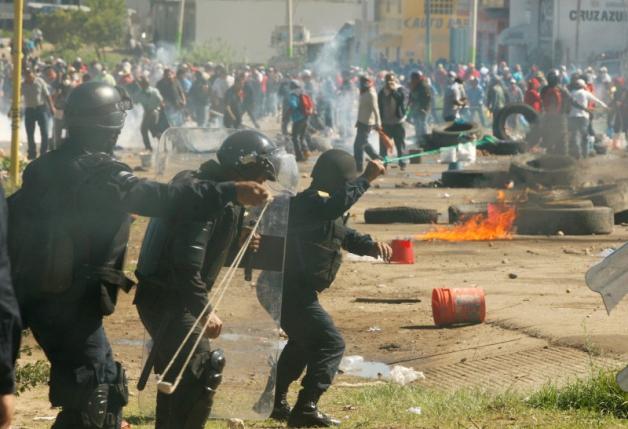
column 368, row 119
column 579, row 117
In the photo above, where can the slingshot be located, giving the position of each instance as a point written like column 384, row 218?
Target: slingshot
column 213, row 302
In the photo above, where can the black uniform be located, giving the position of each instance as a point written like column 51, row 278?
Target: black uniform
column 79, row 204
column 179, row 263
column 316, row 235
column 10, row 322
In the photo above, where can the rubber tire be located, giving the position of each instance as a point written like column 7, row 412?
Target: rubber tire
column 545, row 170
column 474, row 178
column 463, row 212
column 549, row 221
column 566, row 204
column 539, row 198
column 506, row 147
column 443, row 136
column 614, row 196
column 386, row 215
column 499, row 123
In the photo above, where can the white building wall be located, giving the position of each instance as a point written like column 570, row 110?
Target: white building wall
column 603, row 27
column 247, row 25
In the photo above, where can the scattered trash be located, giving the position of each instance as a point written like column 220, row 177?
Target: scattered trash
column 402, row 375
column 357, row 366
column 606, row 253
column 355, row 258
column 236, row 424
column 415, row 410
column 445, row 195
column 608, row 278
column 349, row 408
column 358, row 385
column 390, row 347
column 455, row 306
column 575, row 252
column 374, row 329
column 560, row 234
column 44, row 418
column 388, row 300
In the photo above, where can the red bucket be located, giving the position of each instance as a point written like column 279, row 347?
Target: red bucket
column 455, row 306
column 402, row 252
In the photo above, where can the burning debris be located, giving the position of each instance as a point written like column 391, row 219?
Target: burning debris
column 497, row 224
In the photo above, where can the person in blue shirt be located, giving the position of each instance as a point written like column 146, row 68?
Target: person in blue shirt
column 475, row 98
column 299, row 122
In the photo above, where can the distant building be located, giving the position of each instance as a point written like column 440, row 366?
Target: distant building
column 247, row 26
column 553, row 32
column 401, row 29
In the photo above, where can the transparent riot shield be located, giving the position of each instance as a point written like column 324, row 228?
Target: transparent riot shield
column 251, row 311
column 251, row 305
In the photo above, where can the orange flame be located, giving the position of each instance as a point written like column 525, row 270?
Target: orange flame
column 496, row 225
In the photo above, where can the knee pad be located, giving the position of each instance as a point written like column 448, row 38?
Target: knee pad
column 212, row 373
column 102, row 406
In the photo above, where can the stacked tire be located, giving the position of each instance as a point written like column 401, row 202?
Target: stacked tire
column 548, row 171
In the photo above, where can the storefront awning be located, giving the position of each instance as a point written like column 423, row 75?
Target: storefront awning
column 517, row 35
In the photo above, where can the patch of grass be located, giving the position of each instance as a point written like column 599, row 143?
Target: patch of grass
column 30, row 375
column 386, row 406
column 598, row 393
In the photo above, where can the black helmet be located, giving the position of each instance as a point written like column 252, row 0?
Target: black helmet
column 553, row 77
column 96, row 105
column 248, row 152
column 332, row 170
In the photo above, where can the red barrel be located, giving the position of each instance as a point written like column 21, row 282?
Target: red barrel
column 453, row 306
column 402, row 252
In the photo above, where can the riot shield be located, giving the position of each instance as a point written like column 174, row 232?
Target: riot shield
column 186, row 148
column 250, row 306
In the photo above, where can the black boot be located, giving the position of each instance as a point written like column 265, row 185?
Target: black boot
column 281, row 411
column 306, row 414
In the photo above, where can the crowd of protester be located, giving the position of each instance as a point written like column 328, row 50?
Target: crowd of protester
column 233, row 96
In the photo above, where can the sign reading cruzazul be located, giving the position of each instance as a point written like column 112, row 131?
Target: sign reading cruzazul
column 600, row 15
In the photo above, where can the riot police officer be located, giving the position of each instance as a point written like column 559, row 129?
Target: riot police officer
column 69, row 227
column 317, row 233
column 179, row 262
column 11, row 324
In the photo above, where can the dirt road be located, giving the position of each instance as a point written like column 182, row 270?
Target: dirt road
column 543, row 324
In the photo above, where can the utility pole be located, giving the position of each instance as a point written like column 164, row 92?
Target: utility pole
column 577, row 53
column 364, row 34
column 18, row 16
column 180, row 26
column 290, row 29
column 428, row 32
column 474, row 30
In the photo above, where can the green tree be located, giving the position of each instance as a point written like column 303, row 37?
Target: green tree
column 105, row 24
column 63, row 28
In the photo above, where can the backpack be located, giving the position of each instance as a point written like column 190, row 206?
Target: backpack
column 41, row 243
column 46, row 234
column 307, row 104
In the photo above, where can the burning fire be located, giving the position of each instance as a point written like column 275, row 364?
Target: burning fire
column 496, row 225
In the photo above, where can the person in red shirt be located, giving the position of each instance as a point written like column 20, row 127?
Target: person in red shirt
column 532, row 96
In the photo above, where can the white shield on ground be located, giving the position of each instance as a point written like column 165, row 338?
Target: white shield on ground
column 609, row 278
column 251, row 306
